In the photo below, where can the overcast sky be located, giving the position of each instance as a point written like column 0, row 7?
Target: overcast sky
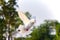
column 42, row 9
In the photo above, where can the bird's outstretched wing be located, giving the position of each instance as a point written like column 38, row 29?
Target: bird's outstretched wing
column 27, row 23
column 23, row 17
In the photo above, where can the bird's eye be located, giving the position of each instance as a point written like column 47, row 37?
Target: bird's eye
column 18, row 30
column 26, row 29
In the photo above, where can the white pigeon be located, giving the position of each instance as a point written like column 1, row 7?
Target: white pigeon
column 27, row 22
column 24, row 30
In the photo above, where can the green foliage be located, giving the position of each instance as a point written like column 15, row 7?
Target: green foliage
column 9, row 16
column 42, row 32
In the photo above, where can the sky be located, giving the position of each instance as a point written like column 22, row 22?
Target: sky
column 41, row 9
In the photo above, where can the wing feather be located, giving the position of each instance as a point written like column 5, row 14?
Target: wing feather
column 23, row 17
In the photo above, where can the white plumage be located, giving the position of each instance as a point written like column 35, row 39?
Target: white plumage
column 27, row 23
column 24, row 30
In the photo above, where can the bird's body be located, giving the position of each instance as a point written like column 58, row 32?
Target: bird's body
column 28, row 23
column 24, row 30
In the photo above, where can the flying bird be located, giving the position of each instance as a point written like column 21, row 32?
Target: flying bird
column 28, row 23
column 24, row 30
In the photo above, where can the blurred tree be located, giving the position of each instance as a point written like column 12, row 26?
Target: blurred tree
column 42, row 32
column 58, row 31
column 8, row 16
